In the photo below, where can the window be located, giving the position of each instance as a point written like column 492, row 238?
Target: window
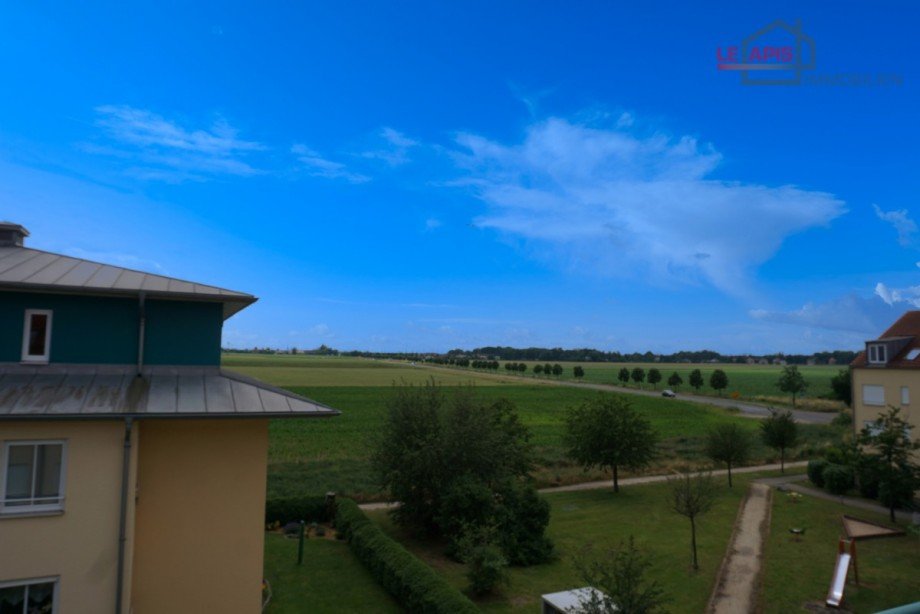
column 912, row 355
column 878, row 353
column 33, row 477
column 36, row 336
column 26, row 597
column 905, row 395
column 873, row 395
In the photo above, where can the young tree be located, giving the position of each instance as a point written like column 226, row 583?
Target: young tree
column 718, row 381
column 791, row 381
column 522, row 367
column 537, row 369
column 654, row 376
column 691, row 497
column 578, row 372
column 620, row 574
column 780, row 432
column 638, row 376
column 548, row 369
column 557, row 369
column 842, row 386
column 696, row 379
column 607, row 432
column 729, row 444
column 886, row 440
column 675, row 380
column 623, row 376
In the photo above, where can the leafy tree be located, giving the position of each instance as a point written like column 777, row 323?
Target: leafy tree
column 842, row 386
column 718, row 381
column 780, row 432
column 578, row 372
column 522, row 367
column 654, row 376
column 675, row 380
column 548, row 369
column 729, row 444
column 791, row 381
column 623, row 376
column 886, row 441
column 691, row 497
column 537, row 369
column 487, row 567
column 621, row 575
column 696, row 379
column 557, row 369
column 638, row 376
column 455, row 462
column 607, row 432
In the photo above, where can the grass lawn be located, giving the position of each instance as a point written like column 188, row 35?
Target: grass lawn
column 331, row 579
column 602, row 519
column 799, row 572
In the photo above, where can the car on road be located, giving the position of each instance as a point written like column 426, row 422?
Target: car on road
column 668, row 393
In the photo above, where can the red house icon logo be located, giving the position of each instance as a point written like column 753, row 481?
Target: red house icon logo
column 774, row 55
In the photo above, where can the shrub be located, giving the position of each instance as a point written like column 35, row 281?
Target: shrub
column 295, row 509
column 815, row 471
column 411, row 582
column 488, row 568
column 523, row 518
column 838, row 479
column 867, row 478
column 844, row 418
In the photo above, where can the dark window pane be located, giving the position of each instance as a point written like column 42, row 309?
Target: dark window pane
column 19, row 473
column 41, row 598
column 48, row 472
column 11, row 599
column 38, row 333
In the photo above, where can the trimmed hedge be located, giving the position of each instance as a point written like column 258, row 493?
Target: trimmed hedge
column 413, row 583
column 295, row 509
column 838, row 479
column 816, row 471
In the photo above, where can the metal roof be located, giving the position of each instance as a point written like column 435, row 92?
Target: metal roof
column 27, row 268
column 115, row 391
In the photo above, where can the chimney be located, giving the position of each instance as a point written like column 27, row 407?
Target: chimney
column 12, row 235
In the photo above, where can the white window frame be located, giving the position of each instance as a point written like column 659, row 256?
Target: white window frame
column 14, row 510
column 45, row 357
column 873, row 404
column 878, row 353
column 55, row 595
column 905, row 395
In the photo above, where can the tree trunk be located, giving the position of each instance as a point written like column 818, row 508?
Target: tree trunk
column 782, row 460
column 729, row 474
column 793, row 399
column 696, row 564
column 891, row 512
column 616, row 483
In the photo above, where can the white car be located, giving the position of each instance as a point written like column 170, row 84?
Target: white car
column 668, row 393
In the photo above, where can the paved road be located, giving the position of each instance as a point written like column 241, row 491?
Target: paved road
column 747, row 408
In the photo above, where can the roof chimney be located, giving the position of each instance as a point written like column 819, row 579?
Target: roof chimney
column 12, row 235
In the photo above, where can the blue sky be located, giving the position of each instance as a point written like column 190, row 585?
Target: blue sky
column 425, row 176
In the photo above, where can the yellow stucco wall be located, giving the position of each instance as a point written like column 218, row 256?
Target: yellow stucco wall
column 200, row 516
column 892, row 380
column 79, row 546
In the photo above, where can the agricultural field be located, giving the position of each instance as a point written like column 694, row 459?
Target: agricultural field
column 798, row 569
column 313, row 456
column 751, row 382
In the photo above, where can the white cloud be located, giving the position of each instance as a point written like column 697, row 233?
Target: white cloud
column 169, row 151
column 910, row 296
column 852, row 313
column 617, row 200
column 901, row 222
column 318, row 166
column 395, row 150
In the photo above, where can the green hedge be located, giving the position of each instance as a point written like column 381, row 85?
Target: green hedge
column 815, row 471
column 295, row 509
column 413, row 583
column 838, row 479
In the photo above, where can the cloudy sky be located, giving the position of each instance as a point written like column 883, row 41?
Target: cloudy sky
column 432, row 177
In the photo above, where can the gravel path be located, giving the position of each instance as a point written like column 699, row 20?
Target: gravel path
column 738, row 585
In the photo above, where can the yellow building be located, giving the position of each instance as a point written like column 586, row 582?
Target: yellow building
column 887, row 374
column 132, row 467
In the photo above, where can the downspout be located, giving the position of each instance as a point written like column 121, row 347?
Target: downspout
column 141, row 326
column 123, row 516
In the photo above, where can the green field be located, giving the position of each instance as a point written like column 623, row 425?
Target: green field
column 798, row 571
column 752, row 382
column 602, row 519
column 318, row 455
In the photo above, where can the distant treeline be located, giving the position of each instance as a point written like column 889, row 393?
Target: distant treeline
column 533, row 354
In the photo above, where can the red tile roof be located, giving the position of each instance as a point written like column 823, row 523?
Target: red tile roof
column 908, row 325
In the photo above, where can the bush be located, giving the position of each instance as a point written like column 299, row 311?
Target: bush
column 295, row 509
column 487, row 569
column 843, row 418
column 867, row 478
column 522, row 522
column 838, row 479
column 412, row 583
column 816, row 471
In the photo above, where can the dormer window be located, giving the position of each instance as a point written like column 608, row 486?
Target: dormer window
column 36, row 336
column 878, row 354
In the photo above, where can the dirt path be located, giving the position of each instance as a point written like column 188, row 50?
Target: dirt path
column 747, row 408
column 738, row 585
column 645, row 479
